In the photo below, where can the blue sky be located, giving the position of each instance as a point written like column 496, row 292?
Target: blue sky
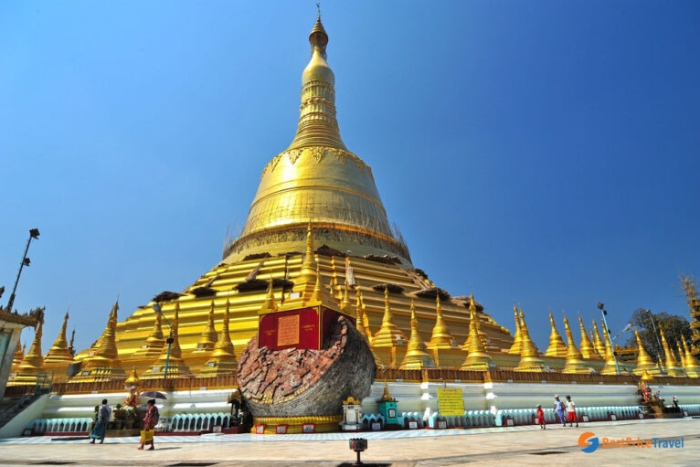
column 539, row 153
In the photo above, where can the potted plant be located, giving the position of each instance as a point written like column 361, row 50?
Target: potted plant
column 119, row 413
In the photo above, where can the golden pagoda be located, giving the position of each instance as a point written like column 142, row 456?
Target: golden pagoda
column 556, row 348
column 644, row 362
column 389, row 334
column 59, row 356
column 574, row 359
column 529, row 354
column 209, row 337
column 477, row 357
column 672, row 369
column 102, row 362
column 515, row 349
column 611, row 365
column 28, row 370
column 18, row 357
column 598, row 343
column 587, row 349
column 223, row 357
column 693, row 296
column 317, row 206
column 689, row 366
column 441, row 337
column 416, row 357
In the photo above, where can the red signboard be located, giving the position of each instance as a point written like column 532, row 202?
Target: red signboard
column 301, row 329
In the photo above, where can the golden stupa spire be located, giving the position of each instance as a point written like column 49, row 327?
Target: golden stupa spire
column 309, row 266
column 19, row 355
column 336, row 290
column 611, row 365
column 154, row 342
column 360, row 317
column 689, row 366
column 574, row 359
column 209, row 337
column 515, row 348
column 317, row 118
column 270, row 304
column 587, row 349
column 317, row 178
column 417, row 357
column 345, row 302
column 389, row 334
column 597, row 341
column 102, row 363
column 644, row 362
column 529, row 355
column 59, row 351
column 33, row 360
column 441, row 337
column 223, row 359
column 671, row 368
column 171, row 355
column 133, row 380
column 477, row 358
column 556, row 347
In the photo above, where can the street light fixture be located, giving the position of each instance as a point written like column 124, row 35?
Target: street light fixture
column 601, row 307
column 33, row 235
column 170, row 340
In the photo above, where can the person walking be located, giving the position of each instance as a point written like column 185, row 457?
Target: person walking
column 540, row 417
column 559, row 409
column 103, row 415
column 571, row 412
column 149, row 424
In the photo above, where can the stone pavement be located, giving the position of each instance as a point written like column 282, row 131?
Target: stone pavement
column 515, row 446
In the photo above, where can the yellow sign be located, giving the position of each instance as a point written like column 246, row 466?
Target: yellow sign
column 450, row 402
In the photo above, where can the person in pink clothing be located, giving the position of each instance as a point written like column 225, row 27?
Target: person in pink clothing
column 149, row 423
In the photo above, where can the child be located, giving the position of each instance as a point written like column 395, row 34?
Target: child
column 540, row 417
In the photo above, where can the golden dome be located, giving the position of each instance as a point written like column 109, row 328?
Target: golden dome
column 317, row 181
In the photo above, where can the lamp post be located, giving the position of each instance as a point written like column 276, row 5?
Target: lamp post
column 658, row 342
column 33, row 235
column 170, row 340
column 601, row 307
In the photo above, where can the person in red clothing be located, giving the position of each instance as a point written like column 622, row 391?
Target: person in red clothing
column 540, row 417
column 149, row 423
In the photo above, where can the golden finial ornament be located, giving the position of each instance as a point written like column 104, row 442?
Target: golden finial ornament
column 59, row 353
column 597, row 341
column 611, row 365
column 223, row 359
column 556, row 347
column 529, row 355
column 689, row 366
column 102, row 363
column 440, row 337
column 360, row 317
column 587, row 350
column 477, row 357
column 671, row 368
column 574, row 359
column 389, row 334
column 209, row 336
column 417, row 356
column 515, row 348
column 644, row 362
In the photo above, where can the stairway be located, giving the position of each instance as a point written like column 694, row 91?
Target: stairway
column 21, row 404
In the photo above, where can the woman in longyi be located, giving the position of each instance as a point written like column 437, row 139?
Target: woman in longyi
column 149, row 424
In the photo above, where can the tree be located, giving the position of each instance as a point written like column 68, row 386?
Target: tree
column 676, row 329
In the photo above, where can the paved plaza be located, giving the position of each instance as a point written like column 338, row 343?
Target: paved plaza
column 678, row 441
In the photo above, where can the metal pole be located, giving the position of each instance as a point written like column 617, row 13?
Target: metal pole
column 658, row 342
column 33, row 233
column 170, row 340
column 605, row 323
